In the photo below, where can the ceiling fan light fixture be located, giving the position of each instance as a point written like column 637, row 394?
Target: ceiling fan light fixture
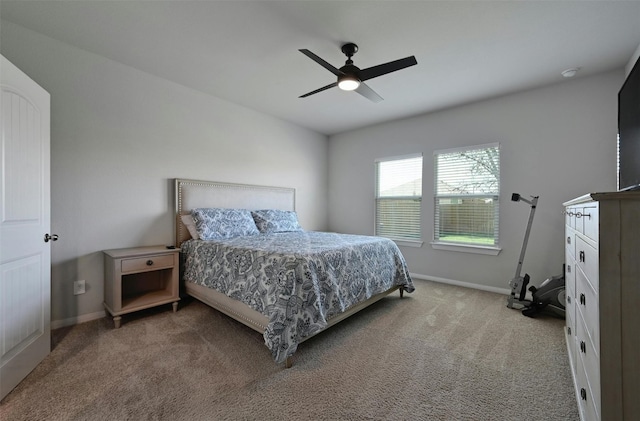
column 352, row 78
column 348, row 82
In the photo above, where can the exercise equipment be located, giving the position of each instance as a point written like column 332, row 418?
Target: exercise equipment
column 550, row 298
column 551, row 295
column 519, row 283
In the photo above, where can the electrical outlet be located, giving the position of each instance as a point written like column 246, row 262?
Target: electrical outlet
column 78, row 287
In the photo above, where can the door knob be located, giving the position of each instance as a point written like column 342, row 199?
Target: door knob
column 48, row 237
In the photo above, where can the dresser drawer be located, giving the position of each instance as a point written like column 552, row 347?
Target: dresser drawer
column 153, row 262
column 589, row 359
column 577, row 219
column 570, row 304
column 590, row 221
column 570, row 216
column 570, row 242
column 585, row 400
column 571, row 331
column 587, row 260
column 587, row 307
column 570, row 300
column 570, row 276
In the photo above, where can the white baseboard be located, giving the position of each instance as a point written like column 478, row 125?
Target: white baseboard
column 56, row 324
column 503, row 291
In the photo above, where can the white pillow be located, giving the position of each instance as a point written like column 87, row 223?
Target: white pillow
column 188, row 222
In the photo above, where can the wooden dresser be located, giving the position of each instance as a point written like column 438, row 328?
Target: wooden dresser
column 603, row 303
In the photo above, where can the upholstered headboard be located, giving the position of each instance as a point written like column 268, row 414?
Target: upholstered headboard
column 190, row 194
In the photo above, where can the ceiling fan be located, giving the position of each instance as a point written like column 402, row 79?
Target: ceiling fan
column 351, row 78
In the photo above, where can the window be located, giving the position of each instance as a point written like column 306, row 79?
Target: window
column 399, row 198
column 467, row 188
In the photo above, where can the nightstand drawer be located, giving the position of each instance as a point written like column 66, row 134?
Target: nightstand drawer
column 147, row 263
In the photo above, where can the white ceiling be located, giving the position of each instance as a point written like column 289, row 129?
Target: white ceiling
column 247, row 51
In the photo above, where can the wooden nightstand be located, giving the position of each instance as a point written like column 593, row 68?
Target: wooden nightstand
column 139, row 278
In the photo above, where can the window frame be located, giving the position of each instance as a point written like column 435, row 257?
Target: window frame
column 399, row 240
column 492, row 249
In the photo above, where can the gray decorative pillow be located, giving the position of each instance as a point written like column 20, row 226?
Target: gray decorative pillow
column 219, row 223
column 272, row 220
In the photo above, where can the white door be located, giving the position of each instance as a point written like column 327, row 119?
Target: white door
column 25, row 257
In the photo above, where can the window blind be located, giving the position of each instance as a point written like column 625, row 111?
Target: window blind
column 467, row 190
column 399, row 198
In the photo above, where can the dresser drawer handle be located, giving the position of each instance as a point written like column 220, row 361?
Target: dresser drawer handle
column 583, row 300
column 582, row 256
column 149, row 262
column 569, row 330
column 583, row 347
column 569, row 268
column 568, row 240
column 569, row 299
column 583, row 393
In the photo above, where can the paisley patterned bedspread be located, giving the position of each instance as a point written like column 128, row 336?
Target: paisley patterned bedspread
column 298, row 280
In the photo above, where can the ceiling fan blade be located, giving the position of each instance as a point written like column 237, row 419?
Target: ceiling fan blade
column 319, row 90
column 383, row 69
column 320, row 61
column 368, row 93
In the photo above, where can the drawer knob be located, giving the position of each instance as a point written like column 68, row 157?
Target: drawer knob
column 583, row 347
column 582, row 256
column 583, row 393
column 149, row 262
column 569, row 268
column 569, row 299
column 583, row 300
column 568, row 240
column 569, row 330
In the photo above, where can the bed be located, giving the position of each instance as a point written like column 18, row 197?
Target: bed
column 271, row 275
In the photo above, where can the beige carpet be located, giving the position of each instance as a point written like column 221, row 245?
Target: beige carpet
column 441, row 353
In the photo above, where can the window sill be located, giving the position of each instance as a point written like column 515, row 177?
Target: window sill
column 466, row 248
column 408, row 243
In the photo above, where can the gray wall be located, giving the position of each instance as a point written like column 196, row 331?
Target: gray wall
column 118, row 138
column 558, row 142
